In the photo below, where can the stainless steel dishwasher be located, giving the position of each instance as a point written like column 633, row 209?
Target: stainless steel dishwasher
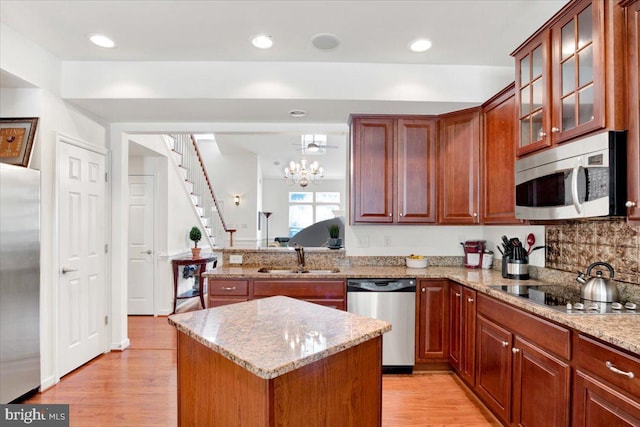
column 393, row 300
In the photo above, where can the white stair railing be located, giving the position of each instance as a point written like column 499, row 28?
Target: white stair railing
column 188, row 158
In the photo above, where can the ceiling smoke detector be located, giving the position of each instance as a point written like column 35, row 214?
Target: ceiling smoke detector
column 325, row 41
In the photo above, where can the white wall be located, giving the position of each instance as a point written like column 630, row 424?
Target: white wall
column 233, row 174
column 55, row 116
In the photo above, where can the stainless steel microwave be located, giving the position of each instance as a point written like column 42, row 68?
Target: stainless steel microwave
column 580, row 179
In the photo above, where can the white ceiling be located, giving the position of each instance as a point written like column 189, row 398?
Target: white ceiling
column 463, row 32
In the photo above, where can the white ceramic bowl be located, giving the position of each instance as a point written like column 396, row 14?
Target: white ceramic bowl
column 416, row 263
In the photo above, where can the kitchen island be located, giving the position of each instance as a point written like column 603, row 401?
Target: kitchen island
column 278, row 361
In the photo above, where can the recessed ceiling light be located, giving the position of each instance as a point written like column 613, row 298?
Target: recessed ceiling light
column 297, row 113
column 102, row 41
column 420, row 45
column 262, row 41
column 325, row 41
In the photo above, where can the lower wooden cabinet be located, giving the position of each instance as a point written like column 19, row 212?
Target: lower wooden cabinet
column 330, row 293
column 223, row 292
column 603, row 392
column 522, row 369
column 462, row 331
column 432, row 341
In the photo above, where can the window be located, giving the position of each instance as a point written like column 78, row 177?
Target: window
column 307, row 207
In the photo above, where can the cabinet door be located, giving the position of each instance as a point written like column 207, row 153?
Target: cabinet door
column 468, row 365
column 578, row 71
column 533, row 95
column 541, row 387
column 373, row 170
column 633, row 113
column 433, row 321
column 498, row 156
column 458, row 167
column 493, row 367
column 416, row 171
column 597, row 404
column 455, row 325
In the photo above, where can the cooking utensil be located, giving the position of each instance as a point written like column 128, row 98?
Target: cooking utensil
column 531, row 240
column 598, row 288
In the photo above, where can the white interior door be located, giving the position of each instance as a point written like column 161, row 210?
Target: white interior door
column 141, row 256
column 82, row 238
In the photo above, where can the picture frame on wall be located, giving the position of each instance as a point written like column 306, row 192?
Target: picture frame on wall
column 16, row 140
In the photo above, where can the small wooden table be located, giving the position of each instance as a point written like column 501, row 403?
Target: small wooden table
column 201, row 265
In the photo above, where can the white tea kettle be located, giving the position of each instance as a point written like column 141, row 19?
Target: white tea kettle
column 598, row 288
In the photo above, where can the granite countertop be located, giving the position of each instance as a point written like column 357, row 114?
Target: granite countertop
column 617, row 329
column 272, row 336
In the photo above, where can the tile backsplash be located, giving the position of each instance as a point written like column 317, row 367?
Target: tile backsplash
column 574, row 245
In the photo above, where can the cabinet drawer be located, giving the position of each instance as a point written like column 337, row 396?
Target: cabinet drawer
column 228, row 287
column 218, row 301
column 309, row 289
column 550, row 336
column 592, row 356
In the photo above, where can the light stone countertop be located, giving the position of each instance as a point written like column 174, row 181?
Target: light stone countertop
column 622, row 330
column 272, row 336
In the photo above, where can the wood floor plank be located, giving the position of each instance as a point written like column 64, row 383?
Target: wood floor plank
column 138, row 387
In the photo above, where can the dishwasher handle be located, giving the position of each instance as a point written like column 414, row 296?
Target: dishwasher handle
column 381, row 285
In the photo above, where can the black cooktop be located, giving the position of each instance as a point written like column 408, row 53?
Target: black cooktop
column 566, row 299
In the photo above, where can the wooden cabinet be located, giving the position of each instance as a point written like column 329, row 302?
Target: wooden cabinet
column 522, row 371
column 632, row 11
column 604, row 394
column 433, row 321
column 330, row 293
column 563, row 72
column 458, row 167
column 493, row 367
column 223, row 292
column 393, row 169
column 497, row 157
column 462, row 331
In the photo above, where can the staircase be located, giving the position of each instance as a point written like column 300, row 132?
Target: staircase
column 198, row 186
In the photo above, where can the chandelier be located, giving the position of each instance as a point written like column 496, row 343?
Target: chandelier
column 303, row 174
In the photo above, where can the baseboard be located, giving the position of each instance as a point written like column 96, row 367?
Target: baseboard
column 121, row 346
column 47, row 383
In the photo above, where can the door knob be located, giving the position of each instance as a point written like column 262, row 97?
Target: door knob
column 148, row 252
column 505, row 343
column 66, row 270
column 630, row 204
column 515, row 350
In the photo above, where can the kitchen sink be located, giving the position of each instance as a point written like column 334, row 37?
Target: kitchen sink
column 275, row 270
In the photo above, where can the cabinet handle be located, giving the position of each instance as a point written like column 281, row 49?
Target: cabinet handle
column 555, row 129
column 424, row 289
column 391, row 214
column 505, row 343
column 515, row 350
column 401, row 214
column 630, row 204
column 148, row 252
column 457, row 294
column 542, row 134
column 228, row 288
column 612, row 368
column 469, row 299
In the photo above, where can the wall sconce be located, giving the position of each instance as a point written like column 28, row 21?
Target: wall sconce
column 236, row 199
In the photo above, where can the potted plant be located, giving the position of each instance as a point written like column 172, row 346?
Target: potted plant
column 195, row 235
column 335, row 242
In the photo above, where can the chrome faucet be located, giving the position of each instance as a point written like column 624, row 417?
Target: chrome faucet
column 300, row 252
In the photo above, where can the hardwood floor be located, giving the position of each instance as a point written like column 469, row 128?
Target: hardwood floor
column 137, row 387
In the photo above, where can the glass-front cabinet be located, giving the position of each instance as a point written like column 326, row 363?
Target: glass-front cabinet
column 560, row 76
column 578, row 78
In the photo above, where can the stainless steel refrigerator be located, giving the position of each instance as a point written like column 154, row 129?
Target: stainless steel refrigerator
column 19, row 281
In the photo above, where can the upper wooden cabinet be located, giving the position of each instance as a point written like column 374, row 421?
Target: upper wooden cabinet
column 393, row 173
column 633, row 110
column 497, row 158
column 563, row 72
column 459, row 167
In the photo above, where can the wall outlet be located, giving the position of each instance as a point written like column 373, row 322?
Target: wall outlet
column 235, row 259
